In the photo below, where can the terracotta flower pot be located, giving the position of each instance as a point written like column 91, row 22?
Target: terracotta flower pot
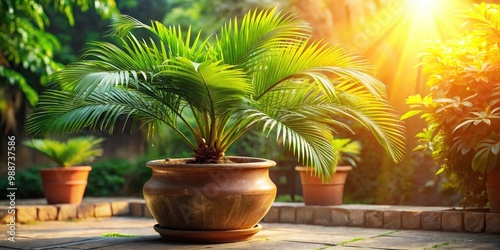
column 493, row 189
column 209, row 202
column 65, row 185
column 316, row 192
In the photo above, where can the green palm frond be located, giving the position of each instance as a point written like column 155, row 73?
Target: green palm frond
column 70, row 153
column 347, row 150
column 323, row 65
column 96, row 111
column 176, row 43
column 210, row 88
column 302, row 136
column 244, row 43
column 384, row 123
column 312, row 107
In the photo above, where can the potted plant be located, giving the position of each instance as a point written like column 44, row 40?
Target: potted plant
column 260, row 72
column 325, row 192
column 462, row 112
column 66, row 183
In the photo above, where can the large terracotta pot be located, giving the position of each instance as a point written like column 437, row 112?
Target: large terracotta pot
column 493, row 189
column 65, row 185
column 210, row 202
column 317, row 192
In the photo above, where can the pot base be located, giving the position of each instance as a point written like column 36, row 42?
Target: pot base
column 224, row 236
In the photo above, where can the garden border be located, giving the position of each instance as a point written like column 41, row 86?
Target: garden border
column 370, row 216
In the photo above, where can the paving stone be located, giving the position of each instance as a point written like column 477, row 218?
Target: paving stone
column 147, row 212
column 374, row 219
column 474, row 222
column 136, row 208
column 340, row 217
column 420, row 239
column 492, row 222
column 393, row 243
column 411, row 219
column 85, row 211
column 66, row 212
column 304, row 215
column 26, row 214
column 47, row 213
column 120, row 208
column 272, row 215
column 90, row 234
column 132, row 242
column 103, row 210
column 356, row 218
column 452, row 221
column 287, row 214
column 322, row 216
column 392, row 219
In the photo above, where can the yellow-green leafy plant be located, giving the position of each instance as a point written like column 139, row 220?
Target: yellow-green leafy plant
column 462, row 112
column 68, row 153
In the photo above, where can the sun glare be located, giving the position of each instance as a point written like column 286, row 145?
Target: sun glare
column 425, row 5
column 407, row 29
column 395, row 37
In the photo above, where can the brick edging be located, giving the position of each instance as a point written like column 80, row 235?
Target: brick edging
column 63, row 212
column 388, row 217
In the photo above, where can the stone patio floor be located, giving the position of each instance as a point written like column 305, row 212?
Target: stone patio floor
column 126, row 232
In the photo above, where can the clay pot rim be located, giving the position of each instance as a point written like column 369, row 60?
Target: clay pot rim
column 239, row 162
column 72, row 168
column 309, row 169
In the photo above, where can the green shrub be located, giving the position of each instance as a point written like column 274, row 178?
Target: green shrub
column 138, row 175
column 108, row 178
column 28, row 183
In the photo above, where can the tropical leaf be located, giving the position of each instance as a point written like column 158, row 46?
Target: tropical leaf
column 69, row 153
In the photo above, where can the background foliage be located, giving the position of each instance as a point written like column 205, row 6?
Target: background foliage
column 30, row 181
column 27, row 49
column 462, row 112
column 108, row 178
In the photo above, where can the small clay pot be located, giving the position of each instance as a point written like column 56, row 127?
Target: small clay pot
column 319, row 193
column 65, row 185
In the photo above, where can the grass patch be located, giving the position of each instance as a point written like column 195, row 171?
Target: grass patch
column 441, row 245
column 117, row 235
column 35, row 222
column 349, row 241
column 360, row 239
column 322, row 248
column 388, row 233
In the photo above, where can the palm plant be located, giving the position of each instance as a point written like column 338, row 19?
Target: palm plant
column 263, row 71
column 70, row 153
column 347, row 150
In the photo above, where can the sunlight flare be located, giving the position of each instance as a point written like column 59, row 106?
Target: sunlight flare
column 424, row 5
